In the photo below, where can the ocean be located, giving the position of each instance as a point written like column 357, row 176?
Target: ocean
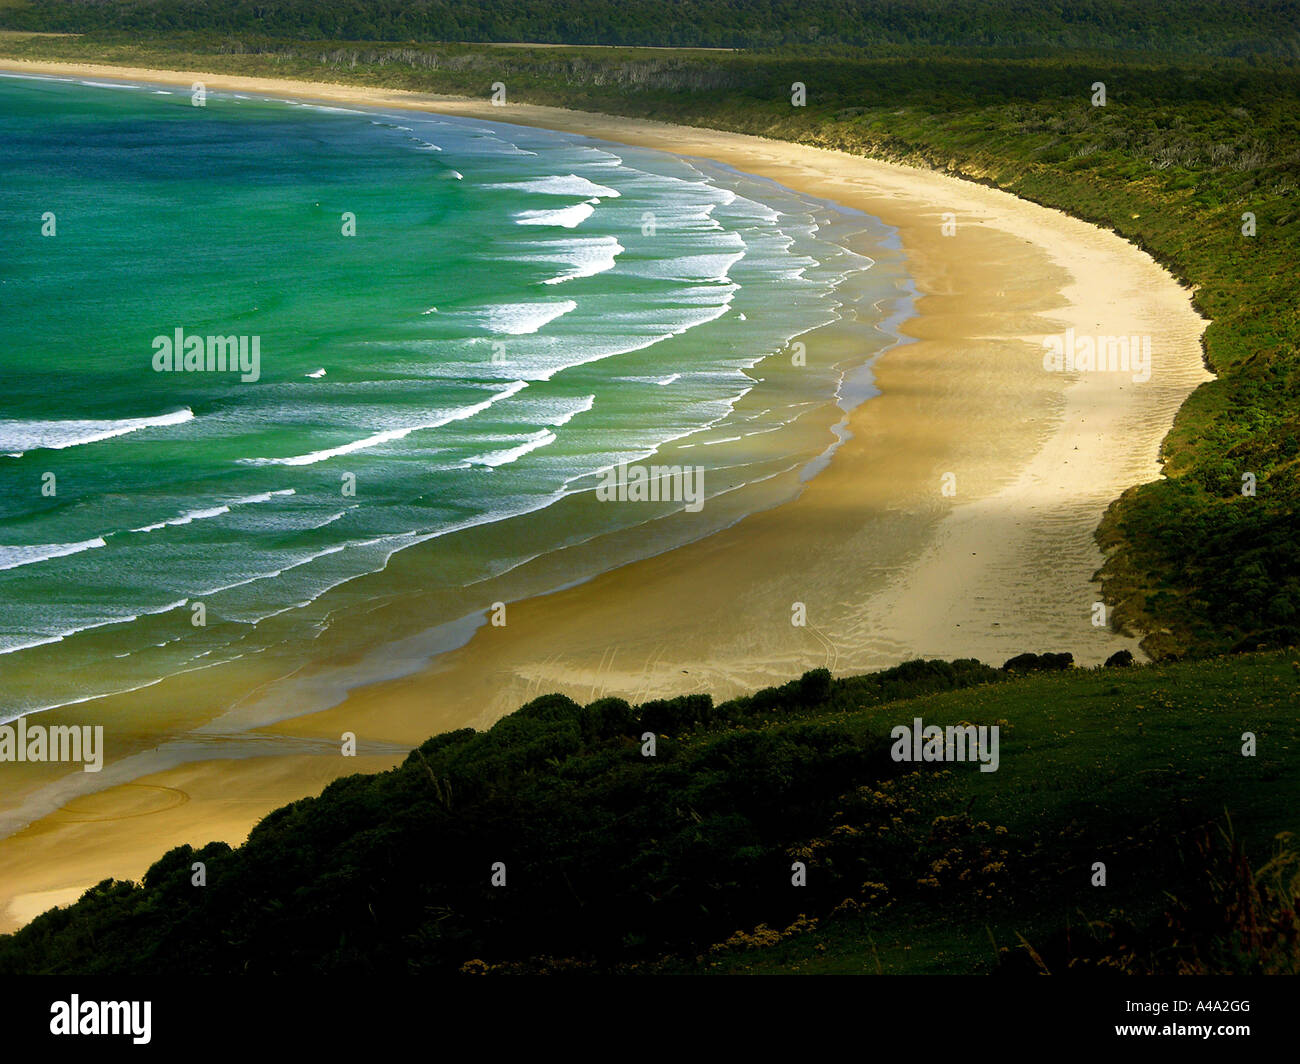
column 462, row 329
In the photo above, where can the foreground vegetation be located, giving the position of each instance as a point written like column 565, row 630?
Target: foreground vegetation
column 1182, row 152
column 683, row 861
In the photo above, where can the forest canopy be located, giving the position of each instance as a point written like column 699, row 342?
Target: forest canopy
column 1211, row 27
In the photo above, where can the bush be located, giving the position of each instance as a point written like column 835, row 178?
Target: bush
column 1038, row 663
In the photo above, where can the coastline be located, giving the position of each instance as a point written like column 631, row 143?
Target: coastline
column 870, row 545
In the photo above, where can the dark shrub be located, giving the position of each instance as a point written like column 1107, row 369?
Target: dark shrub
column 675, row 715
column 1038, row 663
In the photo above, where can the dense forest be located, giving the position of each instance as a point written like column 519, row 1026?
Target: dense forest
column 1218, row 27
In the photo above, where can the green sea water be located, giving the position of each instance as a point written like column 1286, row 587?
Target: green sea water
column 459, row 326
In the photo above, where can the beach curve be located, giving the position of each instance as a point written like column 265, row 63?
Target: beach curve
column 887, row 564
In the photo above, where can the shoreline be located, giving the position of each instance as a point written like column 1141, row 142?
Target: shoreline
column 887, row 566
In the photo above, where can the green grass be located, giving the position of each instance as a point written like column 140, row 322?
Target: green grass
column 1114, row 765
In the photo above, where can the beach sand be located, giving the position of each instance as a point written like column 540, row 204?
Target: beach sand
column 886, row 564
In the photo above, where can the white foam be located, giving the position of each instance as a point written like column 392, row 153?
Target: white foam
column 318, row 107
column 21, row 436
column 38, row 77
column 11, row 557
column 110, row 85
column 332, row 518
column 185, row 518
column 513, row 454
column 600, row 157
column 276, row 572
column 389, row 435
column 707, row 267
column 567, row 217
column 586, row 257
column 58, row 637
column 560, row 185
column 565, row 418
column 521, row 319
column 213, row 511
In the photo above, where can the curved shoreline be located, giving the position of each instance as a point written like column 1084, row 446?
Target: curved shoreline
column 887, row 565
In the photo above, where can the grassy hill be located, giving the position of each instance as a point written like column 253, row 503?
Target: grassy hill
column 683, row 861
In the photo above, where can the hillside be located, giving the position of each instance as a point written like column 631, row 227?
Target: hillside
column 682, row 860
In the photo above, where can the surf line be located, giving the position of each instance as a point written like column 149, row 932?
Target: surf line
column 656, row 483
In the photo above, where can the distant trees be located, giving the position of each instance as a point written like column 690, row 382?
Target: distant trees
column 1223, row 27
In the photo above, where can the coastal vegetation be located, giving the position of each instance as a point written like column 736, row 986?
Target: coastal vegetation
column 552, row 842
column 1218, row 27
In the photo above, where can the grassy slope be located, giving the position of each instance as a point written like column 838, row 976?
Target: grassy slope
column 1172, row 163
column 1099, row 765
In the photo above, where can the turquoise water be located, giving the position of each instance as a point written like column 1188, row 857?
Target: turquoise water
column 517, row 311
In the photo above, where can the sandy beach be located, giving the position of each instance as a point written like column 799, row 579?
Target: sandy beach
column 957, row 521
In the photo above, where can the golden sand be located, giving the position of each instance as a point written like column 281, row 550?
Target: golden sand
column 886, row 564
